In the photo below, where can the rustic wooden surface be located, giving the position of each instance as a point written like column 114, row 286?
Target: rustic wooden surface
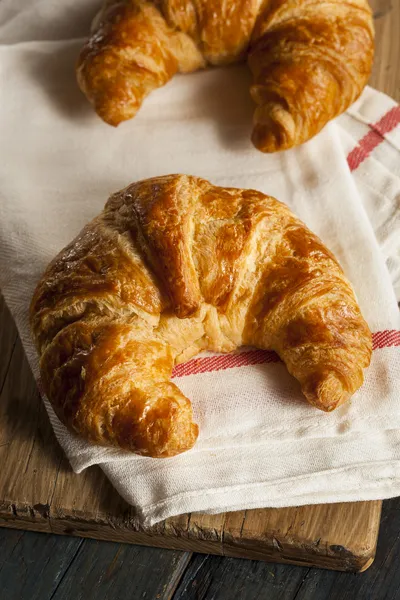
column 35, row 566
column 386, row 71
column 39, row 491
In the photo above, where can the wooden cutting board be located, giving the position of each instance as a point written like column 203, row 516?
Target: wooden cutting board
column 38, row 491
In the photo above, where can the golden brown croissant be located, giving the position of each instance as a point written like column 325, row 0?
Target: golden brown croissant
column 310, row 59
column 173, row 266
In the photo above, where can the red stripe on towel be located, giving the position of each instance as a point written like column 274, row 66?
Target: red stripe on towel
column 373, row 138
column 221, row 362
column 385, row 339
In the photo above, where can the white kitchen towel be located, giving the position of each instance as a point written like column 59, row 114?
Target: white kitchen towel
column 260, row 444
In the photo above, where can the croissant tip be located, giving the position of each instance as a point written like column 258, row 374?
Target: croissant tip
column 264, row 140
column 327, row 392
column 173, row 448
column 109, row 117
column 273, row 131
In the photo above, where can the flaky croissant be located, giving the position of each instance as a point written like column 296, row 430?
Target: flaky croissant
column 310, row 59
column 172, row 266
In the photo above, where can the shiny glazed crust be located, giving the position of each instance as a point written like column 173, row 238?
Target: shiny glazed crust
column 172, row 266
column 310, row 59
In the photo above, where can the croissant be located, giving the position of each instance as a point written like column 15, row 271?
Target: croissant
column 172, row 266
column 309, row 59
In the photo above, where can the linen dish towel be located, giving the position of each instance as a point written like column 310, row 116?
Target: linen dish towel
column 260, row 443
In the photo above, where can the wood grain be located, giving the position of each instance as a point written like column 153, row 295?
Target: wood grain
column 95, row 573
column 29, row 455
column 386, row 70
column 381, row 581
column 215, row 578
column 33, row 565
column 220, row 578
column 41, row 567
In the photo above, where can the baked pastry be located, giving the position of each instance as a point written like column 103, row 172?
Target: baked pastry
column 172, row 266
column 310, row 59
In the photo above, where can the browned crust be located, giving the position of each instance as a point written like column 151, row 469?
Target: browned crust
column 174, row 265
column 309, row 59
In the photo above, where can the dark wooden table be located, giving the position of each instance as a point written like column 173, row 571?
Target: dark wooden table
column 43, row 566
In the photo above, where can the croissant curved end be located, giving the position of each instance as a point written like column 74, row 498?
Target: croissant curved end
column 274, row 128
column 113, row 99
column 327, row 392
column 165, row 429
